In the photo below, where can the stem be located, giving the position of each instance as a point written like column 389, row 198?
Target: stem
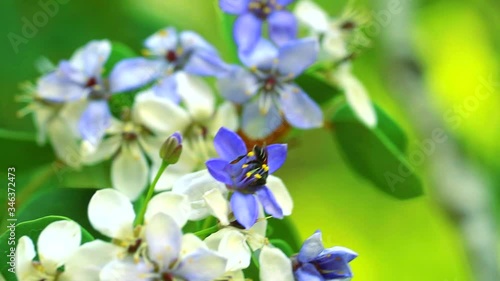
column 151, row 190
column 17, row 135
column 205, row 232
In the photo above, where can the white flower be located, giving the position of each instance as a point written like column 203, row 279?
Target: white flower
column 170, row 256
column 356, row 95
column 152, row 119
column 112, row 214
column 275, row 265
column 205, row 121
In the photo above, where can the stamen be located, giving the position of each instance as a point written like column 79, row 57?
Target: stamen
column 257, row 176
column 251, row 154
column 244, row 166
column 265, row 167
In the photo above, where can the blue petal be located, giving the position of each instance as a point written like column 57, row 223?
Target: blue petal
column 276, row 156
column 299, row 109
column 311, row 248
column 308, row 272
column 238, row 85
column 201, row 265
column 205, row 63
column 94, row 55
column 245, row 208
column 247, row 31
column 334, row 264
column 53, row 87
column 296, row 56
column 235, row 7
column 133, row 73
column 268, row 201
column 218, row 169
column 229, row 145
column 192, row 42
column 257, row 125
column 66, row 71
column 94, row 121
column 263, row 56
column 284, row 2
column 167, row 88
column 162, row 41
column 282, row 27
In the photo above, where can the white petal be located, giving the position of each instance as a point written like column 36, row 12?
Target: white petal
column 256, row 235
column 126, row 270
column 57, row 242
column 71, row 113
column 129, row 171
column 197, row 95
column 89, row 260
column 234, row 248
column 226, row 116
column 274, row 265
column 311, row 15
column 25, row 253
column 175, row 205
column 164, row 238
column 334, row 44
column 111, row 213
column 158, row 114
column 107, row 148
column 281, row 194
column 195, row 185
column 191, row 243
column 41, row 117
column 65, row 144
column 357, row 97
column 218, row 205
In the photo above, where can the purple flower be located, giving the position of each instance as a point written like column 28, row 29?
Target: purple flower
column 169, row 53
column 253, row 13
column 267, row 89
column 245, row 173
column 314, row 262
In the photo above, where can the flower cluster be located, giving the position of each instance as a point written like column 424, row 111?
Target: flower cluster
column 208, row 162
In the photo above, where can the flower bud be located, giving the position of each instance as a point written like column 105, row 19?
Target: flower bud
column 171, row 149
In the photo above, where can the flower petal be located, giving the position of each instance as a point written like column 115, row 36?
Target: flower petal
column 190, row 244
column 205, row 63
column 89, row 259
column 284, row 2
column 191, row 41
column 65, row 144
column 92, row 57
column 245, row 208
column 275, row 265
column 94, row 121
column 25, row 253
column 175, row 205
column 225, row 116
column 57, row 242
column 271, row 206
column 257, row 125
column 159, row 114
column 133, row 73
column 162, row 41
column 311, row 15
column 55, row 88
column 218, row 205
column 111, row 213
column 163, row 237
column 107, row 148
column 197, row 96
column 276, row 156
column 195, row 185
column 238, row 85
column 308, row 272
column 126, row 270
column 234, row 6
column 202, row 265
column 166, row 87
column 281, row 194
column 234, row 248
column 229, row 145
column 311, row 248
column 299, row 109
column 263, row 56
column 247, row 31
column 282, row 27
column 296, row 56
column 218, row 168
column 129, row 171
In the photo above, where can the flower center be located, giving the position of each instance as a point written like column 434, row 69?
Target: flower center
column 91, row 82
column 171, row 56
column 262, row 8
column 253, row 173
column 167, row 277
column 270, row 83
column 134, row 247
column 130, row 132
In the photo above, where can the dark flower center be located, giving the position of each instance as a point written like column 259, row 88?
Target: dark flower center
column 133, row 248
column 253, row 173
column 171, row 56
column 91, row 82
column 270, row 83
column 261, row 8
column 167, row 277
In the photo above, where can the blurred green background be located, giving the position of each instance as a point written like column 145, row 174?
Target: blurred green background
column 456, row 42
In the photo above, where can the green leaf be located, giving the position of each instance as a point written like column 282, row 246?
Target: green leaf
column 119, row 51
column 317, row 87
column 96, row 176
column 31, row 229
column 285, row 231
column 283, row 246
column 66, row 202
column 377, row 154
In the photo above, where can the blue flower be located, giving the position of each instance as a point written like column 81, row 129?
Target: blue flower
column 314, row 262
column 267, row 89
column 253, row 13
column 169, row 53
column 245, row 173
